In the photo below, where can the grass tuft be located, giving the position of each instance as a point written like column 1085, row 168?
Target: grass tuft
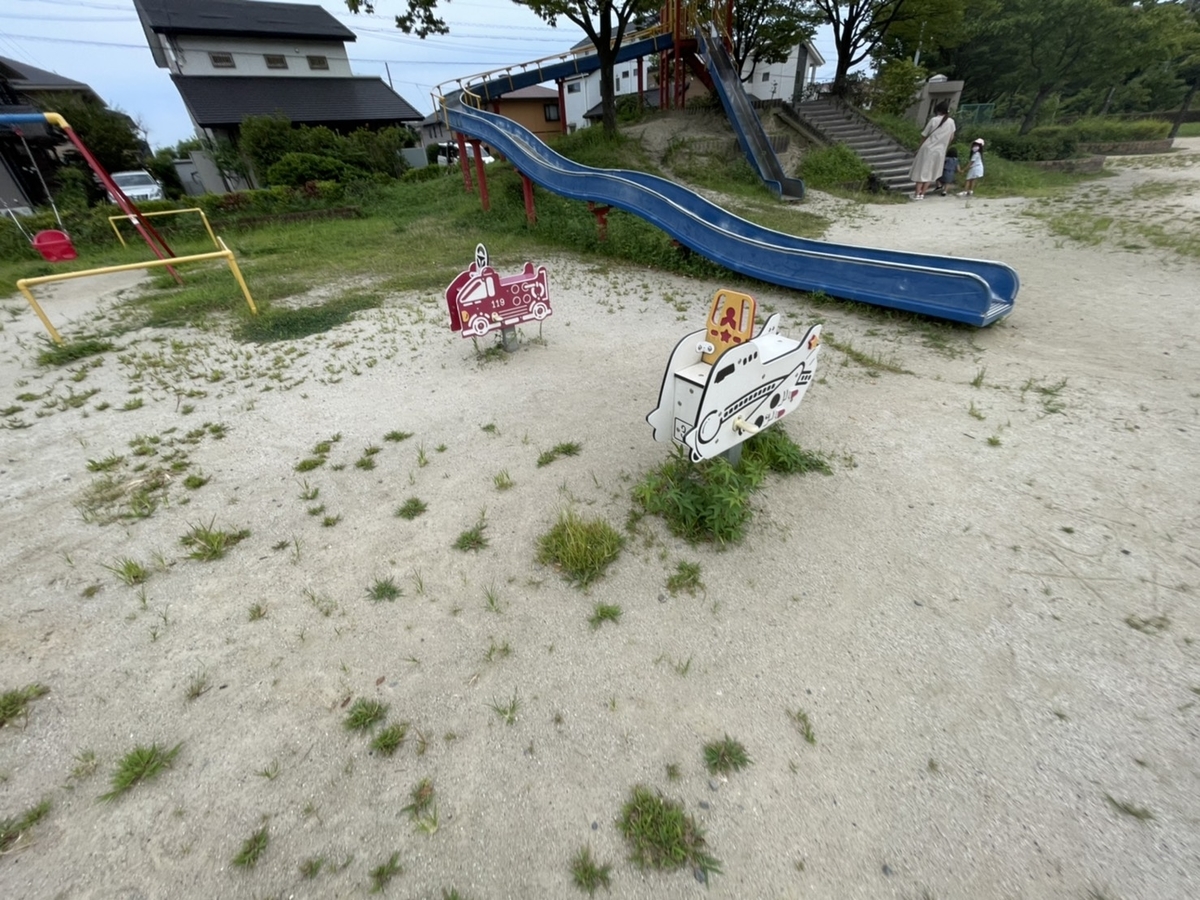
column 411, row 508
column 506, row 711
column 799, row 718
column 589, row 875
column 570, row 448
column 129, row 571
column 384, row 589
column 391, row 738
column 473, row 538
column 686, row 578
column 725, row 755
column 139, row 765
column 14, row 828
column 365, row 714
column 14, row 704
column 385, row 872
column 72, row 351
column 582, row 549
column 661, row 835
column 210, row 543
column 604, row 612
column 252, row 849
column 279, row 323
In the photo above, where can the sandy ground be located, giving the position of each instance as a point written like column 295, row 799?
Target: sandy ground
column 954, row 608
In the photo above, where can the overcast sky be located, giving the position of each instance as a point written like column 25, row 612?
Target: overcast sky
column 101, row 43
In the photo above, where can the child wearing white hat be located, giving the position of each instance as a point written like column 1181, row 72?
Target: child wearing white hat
column 974, row 168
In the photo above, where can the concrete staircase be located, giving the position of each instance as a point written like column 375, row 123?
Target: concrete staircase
column 837, row 123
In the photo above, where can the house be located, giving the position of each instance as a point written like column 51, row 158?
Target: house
column 535, row 107
column 581, row 93
column 28, row 89
column 786, row 80
column 235, row 58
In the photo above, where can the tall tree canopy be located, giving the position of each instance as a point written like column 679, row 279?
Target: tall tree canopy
column 765, row 31
column 859, row 27
column 605, row 22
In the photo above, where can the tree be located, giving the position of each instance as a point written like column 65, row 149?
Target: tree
column 1040, row 47
column 859, row 27
column 605, row 22
column 765, row 31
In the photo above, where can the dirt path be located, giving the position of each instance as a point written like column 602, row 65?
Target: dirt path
column 987, row 612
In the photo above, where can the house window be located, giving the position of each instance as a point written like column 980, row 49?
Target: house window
column 574, row 87
column 766, row 76
column 318, row 62
column 275, row 60
column 222, row 60
column 551, row 110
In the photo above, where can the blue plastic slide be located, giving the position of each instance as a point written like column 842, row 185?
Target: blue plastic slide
column 963, row 290
column 746, row 125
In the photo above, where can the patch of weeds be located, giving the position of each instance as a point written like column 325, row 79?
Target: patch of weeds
column 85, row 764
column 799, row 718
column 994, row 441
column 604, row 612
column 974, row 412
column 385, row 872
column 72, row 351
column 491, row 599
column 686, row 578
column 411, row 508
column 422, row 457
column 489, row 428
column 252, row 849
column 977, row 381
column 280, row 323
column 195, row 481
column 662, row 836
column 14, row 828
column 589, row 874
column 208, row 543
column 1152, row 625
column 699, row 501
column 198, row 685
column 318, row 510
column 506, row 711
column 420, row 799
column 473, row 538
column 1138, row 812
column 397, row 436
column 366, row 463
column 130, row 571
column 312, row 866
column 135, row 403
column 391, row 738
column 330, row 521
column 384, row 589
column 139, row 765
column 365, row 714
column 725, row 755
column 570, row 448
column 872, row 363
column 312, row 462
column 494, row 651
column 309, row 493
column 673, row 772
column 502, row 480
column 270, row 771
column 774, row 450
column 14, row 704
column 105, row 464
column 582, row 549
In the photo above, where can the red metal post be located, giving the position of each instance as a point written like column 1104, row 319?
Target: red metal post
column 481, row 175
column 601, row 214
column 462, row 161
column 527, row 191
column 149, row 234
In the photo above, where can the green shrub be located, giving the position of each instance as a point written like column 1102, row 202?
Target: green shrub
column 297, row 169
column 831, row 167
column 705, row 501
column 428, row 173
column 897, row 86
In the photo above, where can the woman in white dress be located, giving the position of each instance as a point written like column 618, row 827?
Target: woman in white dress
column 931, row 154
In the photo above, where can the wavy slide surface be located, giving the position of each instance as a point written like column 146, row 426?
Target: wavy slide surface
column 976, row 292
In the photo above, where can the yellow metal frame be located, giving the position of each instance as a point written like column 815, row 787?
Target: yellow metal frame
column 112, row 220
column 224, row 253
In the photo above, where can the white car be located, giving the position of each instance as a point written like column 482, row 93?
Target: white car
column 448, row 154
column 137, row 185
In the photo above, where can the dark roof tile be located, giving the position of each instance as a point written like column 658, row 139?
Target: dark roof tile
column 241, row 18
column 226, row 100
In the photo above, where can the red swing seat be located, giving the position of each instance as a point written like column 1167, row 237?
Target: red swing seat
column 54, row 245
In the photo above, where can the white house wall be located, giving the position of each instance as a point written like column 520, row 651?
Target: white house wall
column 625, row 80
column 189, row 55
column 776, row 81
